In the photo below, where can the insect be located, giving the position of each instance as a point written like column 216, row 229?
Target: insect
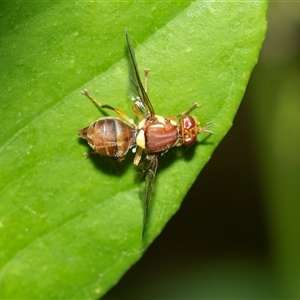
column 153, row 134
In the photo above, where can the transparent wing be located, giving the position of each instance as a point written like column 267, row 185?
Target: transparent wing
column 150, row 176
column 143, row 101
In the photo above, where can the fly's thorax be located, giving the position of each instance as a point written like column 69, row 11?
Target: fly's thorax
column 157, row 135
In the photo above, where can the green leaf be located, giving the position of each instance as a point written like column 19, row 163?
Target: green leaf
column 70, row 226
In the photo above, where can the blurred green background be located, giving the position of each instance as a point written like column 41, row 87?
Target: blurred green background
column 243, row 213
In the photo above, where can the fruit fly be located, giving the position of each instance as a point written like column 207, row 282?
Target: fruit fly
column 153, row 134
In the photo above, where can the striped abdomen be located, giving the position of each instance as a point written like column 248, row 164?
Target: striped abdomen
column 109, row 136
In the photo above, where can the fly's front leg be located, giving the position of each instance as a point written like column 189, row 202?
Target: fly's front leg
column 186, row 112
column 116, row 110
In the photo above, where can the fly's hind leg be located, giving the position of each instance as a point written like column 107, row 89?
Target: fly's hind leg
column 116, row 110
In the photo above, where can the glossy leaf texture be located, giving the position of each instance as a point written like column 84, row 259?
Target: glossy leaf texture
column 70, row 226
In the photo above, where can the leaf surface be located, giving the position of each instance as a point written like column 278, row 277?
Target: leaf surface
column 70, row 226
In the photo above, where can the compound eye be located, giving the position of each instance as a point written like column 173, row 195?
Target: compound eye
column 188, row 122
column 189, row 130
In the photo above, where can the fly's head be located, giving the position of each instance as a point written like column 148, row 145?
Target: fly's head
column 190, row 128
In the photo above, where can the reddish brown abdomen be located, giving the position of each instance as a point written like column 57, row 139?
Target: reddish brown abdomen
column 160, row 137
column 109, row 136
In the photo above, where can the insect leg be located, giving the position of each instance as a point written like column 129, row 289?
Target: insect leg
column 138, row 156
column 195, row 105
column 137, row 112
column 116, row 110
column 204, row 128
column 146, row 73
